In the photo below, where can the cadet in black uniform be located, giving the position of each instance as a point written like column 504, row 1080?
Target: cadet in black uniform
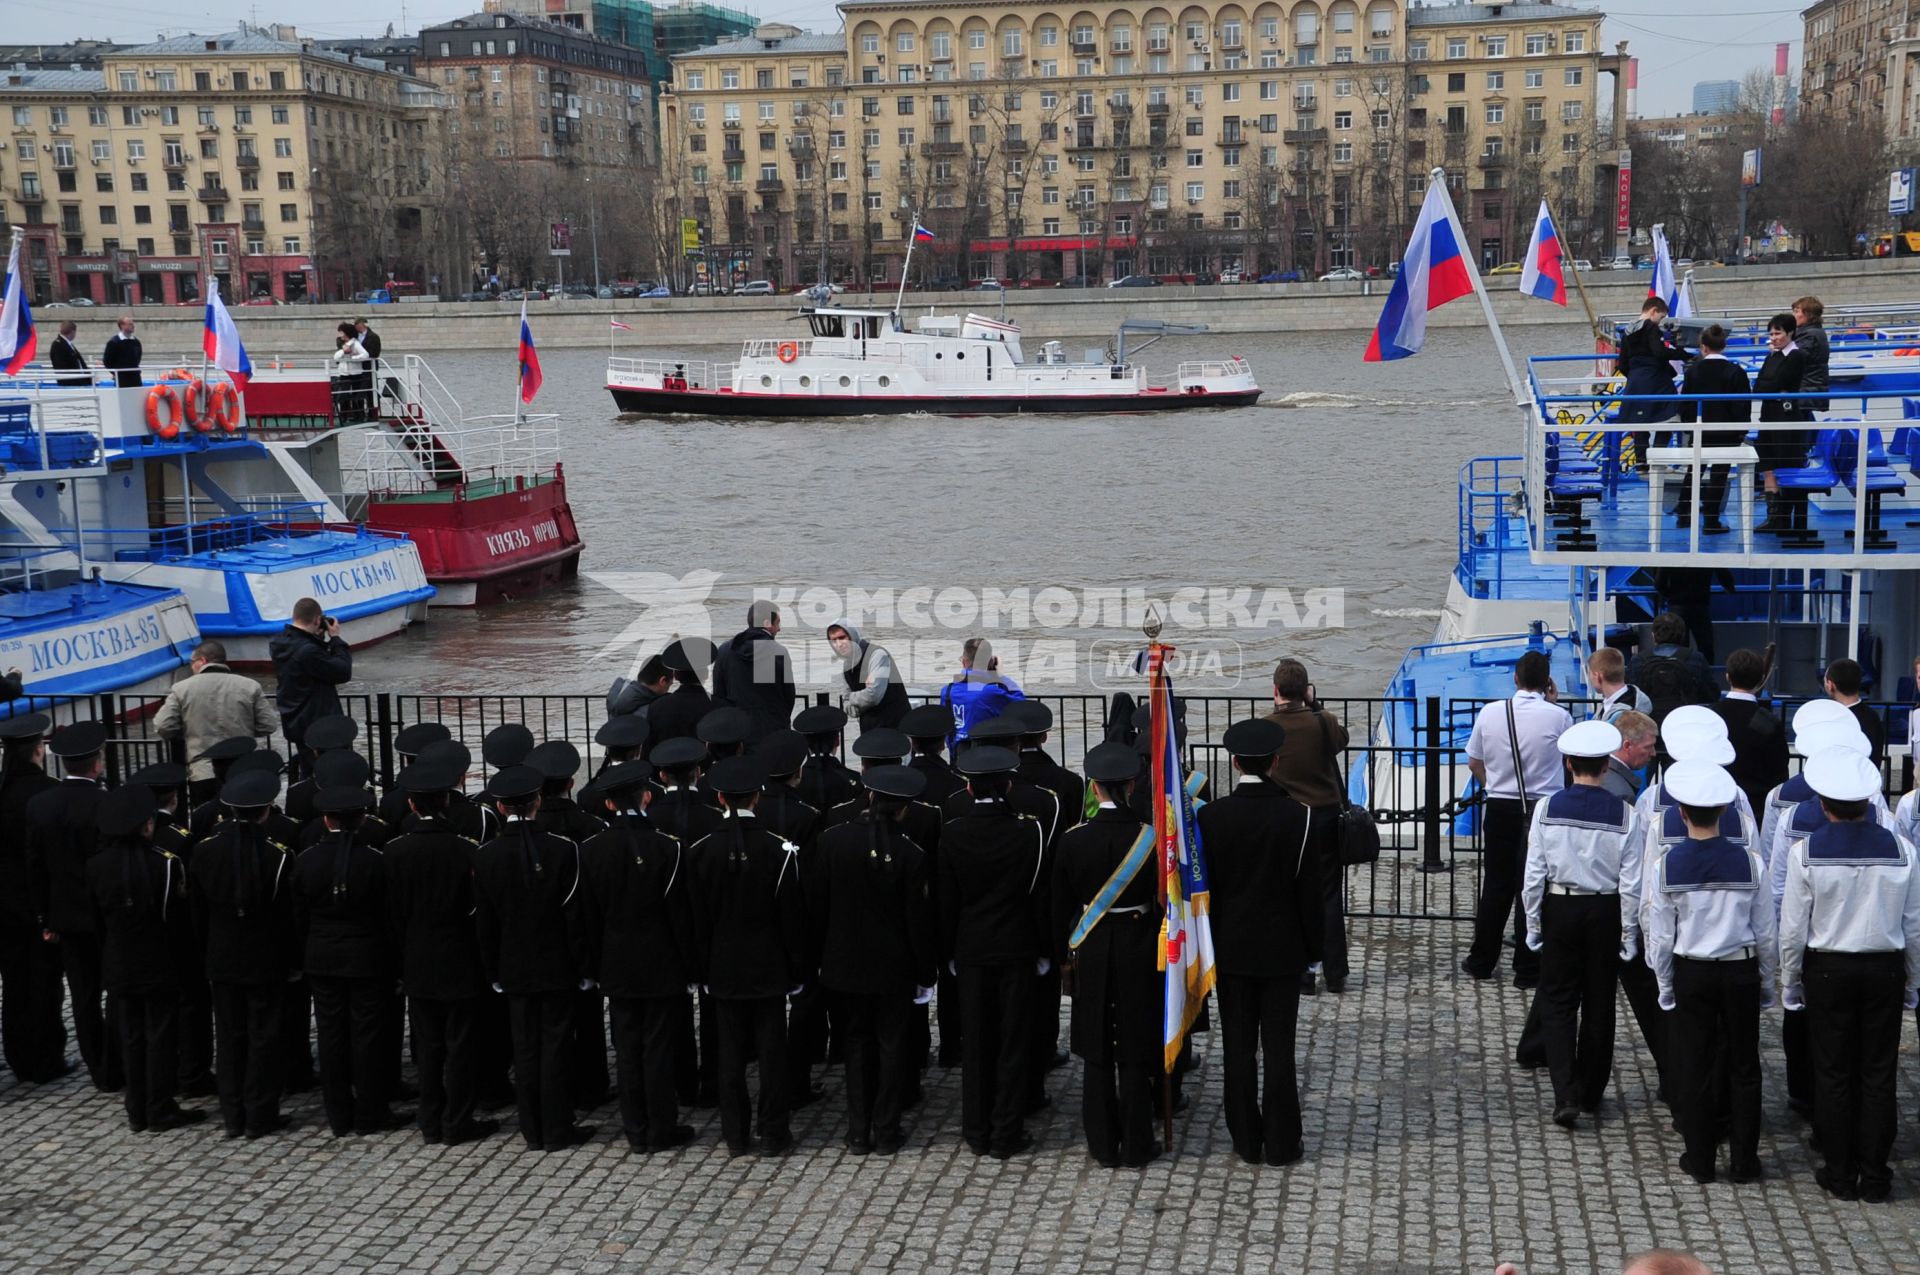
column 724, row 731
column 329, row 734
column 1114, row 954
column 869, row 906
column 340, row 906
column 62, row 833
column 407, row 747
column 533, row 941
column 202, row 817
column 825, row 781
column 749, row 943
column 784, row 754
column 338, row 770
column 641, row 932
column 680, row 811
column 992, row 895
column 558, row 763
column 506, row 745
column 296, row 1016
column 1035, row 720
column 472, row 819
column 430, row 899
column 1267, row 918
column 622, row 738
column 677, row 714
column 926, row 727
column 168, row 781
column 139, row 896
column 243, row 903
column 32, row 1030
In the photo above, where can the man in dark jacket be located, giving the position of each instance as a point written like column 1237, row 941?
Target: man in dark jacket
column 1758, row 737
column 677, row 715
column 1712, row 373
column 876, row 695
column 430, row 903
column 32, row 1030
column 1810, row 338
column 1267, row 918
column 1672, row 674
column 62, row 834
column 532, row 928
column 1114, row 952
column 681, row 811
column 66, row 357
column 640, row 934
column 869, row 907
column 123, row 354
column 754, row 672
column 311, row 660
column 992, row 894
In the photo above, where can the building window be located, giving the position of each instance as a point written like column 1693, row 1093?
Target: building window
column 1576, row 41
column 1456, row 47
column 289, row 212
column 1575, row 76
column 1496, row 81
column 1571, row 111
column 1536, row 45
column 1196, row 159
column 1536, row 79
column 1496, row 114
column 870, row 42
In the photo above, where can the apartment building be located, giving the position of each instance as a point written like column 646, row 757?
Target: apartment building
column 1041, row 143
column 252, row 156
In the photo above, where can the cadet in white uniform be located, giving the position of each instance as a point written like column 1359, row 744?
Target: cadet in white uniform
column 1582, row 871
column 1849, row 960
column 1711, row 942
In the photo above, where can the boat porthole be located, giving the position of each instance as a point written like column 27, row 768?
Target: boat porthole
column 806, row 382
column 884, row 382
column 938, row 355
column 961, row 355
column 766, row 382
column 845, row 382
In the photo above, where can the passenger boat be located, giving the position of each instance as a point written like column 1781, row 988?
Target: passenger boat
column 1559, row 545
column 484, row 498
column 855, row 362
column 125, row 486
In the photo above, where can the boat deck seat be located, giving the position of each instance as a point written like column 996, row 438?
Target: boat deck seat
column 1570, row 483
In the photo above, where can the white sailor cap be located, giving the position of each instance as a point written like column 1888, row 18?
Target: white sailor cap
column 1699, row 745
column 1699, row 783
column 1691, row 718
column 1816, row 711
column 1833, row 734
column 1590, row 739
column 1840, row 774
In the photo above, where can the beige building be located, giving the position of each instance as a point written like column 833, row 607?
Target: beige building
column 1038, row 142
column 252, row 156
column 1844, row 55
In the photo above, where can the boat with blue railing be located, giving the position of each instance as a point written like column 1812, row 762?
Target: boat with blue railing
column 121, row 488
column 1562, row 545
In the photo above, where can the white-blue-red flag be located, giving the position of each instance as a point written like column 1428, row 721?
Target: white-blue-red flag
column 18, row 340
column 221, row 339
column 529, row 359
column 1433, row 272
column 1544, row 275
column 1186, row 934
column 1664, row 283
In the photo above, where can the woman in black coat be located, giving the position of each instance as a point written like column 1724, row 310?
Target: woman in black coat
column 1646, row 359
column 1782, row 373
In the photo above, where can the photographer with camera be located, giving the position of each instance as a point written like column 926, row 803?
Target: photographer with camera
column 311, row 660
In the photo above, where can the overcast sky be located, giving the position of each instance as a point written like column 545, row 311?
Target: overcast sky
column 1709, row 40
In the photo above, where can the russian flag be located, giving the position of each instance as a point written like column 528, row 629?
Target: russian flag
column 1663, row 284
column 18, row 341
column 221, row 340
column 1544, row 275
column 921, row 234
column 529, row 359
column 1433, row 272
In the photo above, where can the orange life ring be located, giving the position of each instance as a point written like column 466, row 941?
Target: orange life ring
column 224, row 407
column 1909, row 352
column 196, row 405
column 170, row 428
column 179, row 374
column 788, row 351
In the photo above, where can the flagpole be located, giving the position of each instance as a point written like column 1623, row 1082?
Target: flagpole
column 213, row 291
column 1439, row 178
column 1155, row 672
column 520, row 367
column 913, row 235
column 1573, row 271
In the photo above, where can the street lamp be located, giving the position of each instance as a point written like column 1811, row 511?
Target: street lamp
column 320, row 274
column 593, row 222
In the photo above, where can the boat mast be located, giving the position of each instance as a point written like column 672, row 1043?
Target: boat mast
column 900, row 299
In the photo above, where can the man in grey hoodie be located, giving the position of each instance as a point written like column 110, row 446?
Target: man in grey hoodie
column 876, row 695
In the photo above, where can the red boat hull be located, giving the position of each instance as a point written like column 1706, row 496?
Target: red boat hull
column 495, row 545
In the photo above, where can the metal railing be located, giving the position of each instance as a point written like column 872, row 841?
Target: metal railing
column 700, row 374
column 1235, row 366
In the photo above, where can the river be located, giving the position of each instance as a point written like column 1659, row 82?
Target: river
column 1319, row 523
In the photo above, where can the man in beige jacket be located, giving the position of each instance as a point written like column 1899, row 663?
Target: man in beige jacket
column 214, row 704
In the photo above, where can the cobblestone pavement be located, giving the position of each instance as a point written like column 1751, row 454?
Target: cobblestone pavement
column 1426, row 1151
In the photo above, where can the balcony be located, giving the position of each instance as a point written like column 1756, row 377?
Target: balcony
column 769, row 186
column 212, row 194
column 253, row 227
column 931, row 149
column 1498, row 159
column 1121, row 109
column 247, row 163
column 943, row 181
column 1084, row 48
column 1081, row 142
column 1230, row 137
column 733, row 155
column 801, row 146
column 174, row 163
column 1016, row 146
column 1160, row 109
column 28, row 194
column 1304, row 136
column 1120, row 49
column 1533, row 126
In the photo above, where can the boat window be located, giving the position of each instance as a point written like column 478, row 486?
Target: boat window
column 806, row 382
column 824, row 324
column 873, row 325
column 885, row 381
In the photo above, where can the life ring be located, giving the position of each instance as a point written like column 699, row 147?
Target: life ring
column 196, row 405
column 170, row 428
column 788, row 351
column 224, row 408
column 1909, row 352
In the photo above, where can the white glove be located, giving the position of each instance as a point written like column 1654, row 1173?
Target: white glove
column 1629, row 948
column 1534, row 941
column 1042, row 965
column 796, row 989
column 923, row 996
column 693, row 989
column 1793, row 998
column 498, row 988
column 1911, row 1000
column 1666, row 999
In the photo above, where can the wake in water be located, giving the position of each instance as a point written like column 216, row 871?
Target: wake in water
column 1406, row 613
column 1319, row 398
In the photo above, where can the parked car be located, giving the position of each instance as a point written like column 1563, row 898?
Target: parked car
column 262, row 299
column 1076, row 281
column 1344, row 274
column 987, row 285
column 524, row 294
column 1282, row 276
column 476, row 296
column 657, row 290
column 1618, row 263
column 1505, row 267
column 833, row 289
column 1685, row 263
column 625, row 288
column 754, row 288
column 1135, row 281
column 1583, row 265
column 708, row 288
column 605, row 292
